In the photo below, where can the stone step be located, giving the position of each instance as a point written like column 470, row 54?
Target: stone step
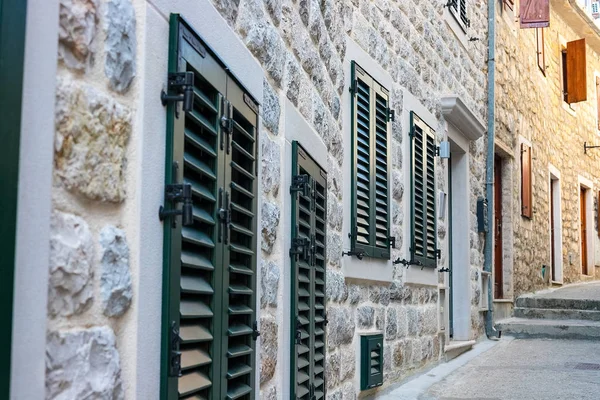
column 557, row 303
column 550, row 328
column 556, row 313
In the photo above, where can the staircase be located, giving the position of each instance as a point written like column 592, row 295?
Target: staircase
column 571, row 312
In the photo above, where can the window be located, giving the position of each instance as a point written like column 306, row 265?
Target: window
column 458, row 9
column 309, row 209
column 526, row 186
column 541, row 53
column 209, row 322
column 370, row 235
column 423, row 208
column 574, row 72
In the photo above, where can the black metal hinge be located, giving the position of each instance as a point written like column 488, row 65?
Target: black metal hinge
column 353, row 86
column 178, row 193
column 303, row 184
column 392, row 240
column 255, row 331
column 301, row 247
column 182, row 84
column 226, row 124
column 325, row 321
column 391, row 114
column 175, row 354
column 224, row 215
column 438, row 254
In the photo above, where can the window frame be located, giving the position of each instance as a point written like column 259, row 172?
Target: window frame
column 541, row 51
column 454, row 6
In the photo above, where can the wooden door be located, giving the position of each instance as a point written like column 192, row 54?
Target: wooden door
column 498, row 281
column 552, row 230
column 583, row 217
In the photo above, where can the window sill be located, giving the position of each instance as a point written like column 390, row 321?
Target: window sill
column 568, row 108
column 414, row 275
column 455, row 27
column 368, row 269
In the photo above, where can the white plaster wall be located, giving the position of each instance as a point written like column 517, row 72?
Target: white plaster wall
column 33, row 213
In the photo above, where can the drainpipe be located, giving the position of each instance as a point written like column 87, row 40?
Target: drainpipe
column 489, row 168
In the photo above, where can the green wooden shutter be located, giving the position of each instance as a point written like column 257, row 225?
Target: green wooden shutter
column 308, row 277
column 209, row 290
column 371, row 361
column 370, row 234
column 423, row 207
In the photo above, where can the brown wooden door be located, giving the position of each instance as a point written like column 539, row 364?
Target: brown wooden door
column 498, row 281
column 552, row 230
column 584, row 260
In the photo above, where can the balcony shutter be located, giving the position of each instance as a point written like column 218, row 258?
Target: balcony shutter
column 576, row 72
column 370, row 169
column 534, row 13
column 210, row 265
column 309, row 208
column 526, row 187
column 423, row 218
column 541, row 53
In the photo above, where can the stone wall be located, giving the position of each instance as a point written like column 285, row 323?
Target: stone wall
column 530, row 105
column 90, row 288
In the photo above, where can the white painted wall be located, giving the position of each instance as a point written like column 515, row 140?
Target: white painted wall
column 554, row 190
column 34, row 202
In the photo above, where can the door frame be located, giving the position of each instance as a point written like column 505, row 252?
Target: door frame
column 555, row 215
column 588, row 186
column 498, row 205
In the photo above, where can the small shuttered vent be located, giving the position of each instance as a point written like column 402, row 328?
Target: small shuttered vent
column 371, row 359
column 198, row 243
column 381, row 173
column 240, row 261
column 424, row 241
column 363, row 163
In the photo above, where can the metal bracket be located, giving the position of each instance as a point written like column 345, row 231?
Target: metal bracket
column 358, row 254
column 178, row 193
column 181, row 83
column 302, row 184
column 301, row 247
column 227, row 125
column 392, row 240
column 255, row 331
column 444, row 269
column 406, row 263
column 586, row 147
column 175, row 355
column 450, row 3
column 225, row 215
column 438, row 253
column 391, row 114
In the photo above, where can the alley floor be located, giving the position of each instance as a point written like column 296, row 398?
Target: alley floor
column 513, row 369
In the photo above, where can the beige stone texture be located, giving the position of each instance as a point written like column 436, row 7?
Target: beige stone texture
column 529, row 106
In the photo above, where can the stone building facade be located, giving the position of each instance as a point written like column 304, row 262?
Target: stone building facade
column 105, row 308
column 531, row 109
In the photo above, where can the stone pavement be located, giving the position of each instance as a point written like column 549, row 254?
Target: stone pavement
column 513, row 369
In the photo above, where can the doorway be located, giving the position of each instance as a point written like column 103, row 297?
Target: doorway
column 584, row 229
column 498, row 265
column 555, row 228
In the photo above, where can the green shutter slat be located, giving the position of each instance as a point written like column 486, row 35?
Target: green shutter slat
column 238, row 370
column 195, row 284
column 196, row 237
column 239, row 129
column 237, row 390
column 240, row 269
column 194, row 309
column 239, row 351
column 193, row 260
column 199, row 166
column 192, row 382
column 239, row 309
column 194, row 333
column 204, row 101
column 200, row 190
column 200, row 143
column 194, row 358
column 202, row 122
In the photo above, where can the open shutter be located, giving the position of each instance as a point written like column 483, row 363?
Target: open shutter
column 576, row 72
column 526, row 197
column 534, row 13
column 308, row 255
column 370, row 170
column 210, row 264
column 423, row 221
column 541, row 53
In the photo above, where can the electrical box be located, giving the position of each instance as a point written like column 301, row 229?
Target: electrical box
column 371, row 361
column 482, row 215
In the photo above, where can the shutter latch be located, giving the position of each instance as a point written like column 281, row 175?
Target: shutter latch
column 391, row 114
column 301, row 247
column 175, row 356
column 181, row 83
column 178, row 193
column 302, row 184
column 255, row 331
column 392, row 241
column 226, row 124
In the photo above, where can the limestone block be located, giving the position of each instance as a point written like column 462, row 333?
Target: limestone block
column 355, row 294
column 269, row 347
column 271, row 166
column 120, row 44
column 269, row 223
column 365, row 316
column 336, row 289
column 70, row 288
column 83, row 364
column 398, row 354
column 269, row 394
column 348, row 363
column 348, row 391
column 76, row 32
column 115, row 281
column 391, row 324
column 269, row 283
column 334, row 249
column 92, row 132
column 332, row 370
column 341, row 326
column 271, row 110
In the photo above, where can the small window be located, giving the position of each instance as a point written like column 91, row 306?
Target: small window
column 526, row 186
column 574, row 72
column 458, row 9
column 423, row 208
column 541, row 53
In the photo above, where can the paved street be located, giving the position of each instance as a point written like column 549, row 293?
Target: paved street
column 513, row 369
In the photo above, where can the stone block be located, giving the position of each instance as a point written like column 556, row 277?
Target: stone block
column 336, row 289
column 271, row 109
column 76, row 32
column 332, row 370
column 334, row 249
column 269, row 283
column 92, row 132
column 391, row 324
column 115, row 279
column 341, row 326
column 271, row 166
column 365, row 316
column 355, row 294
column 70, row 288
column 121, row 44
column 269, row 223
column 269, row 347
column 83, row 364
column 348, row 391
column 348, row 363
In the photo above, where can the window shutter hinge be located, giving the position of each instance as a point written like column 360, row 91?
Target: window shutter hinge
column 303, row 184
column 178, row 193
column 438, row 254
column 226, row 124
column 391, row 114
column 255, row 331
column 392, row 240
column 301, row 247
column 325, row 320
column 353, row 86
column 358, row 254
column 182, row 84
column 175, row 354
column 437, row 150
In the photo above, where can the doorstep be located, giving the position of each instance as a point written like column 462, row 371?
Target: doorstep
column 457, row 347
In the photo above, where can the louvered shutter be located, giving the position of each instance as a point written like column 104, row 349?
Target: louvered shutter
column 370, row 170
column 534, row 13
column 308, row 278
column 423, row 221
column 458, row 9
column 371, row 361
column 576, row 72
column 526, row 196
column 509, row 4
column 210, row 265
